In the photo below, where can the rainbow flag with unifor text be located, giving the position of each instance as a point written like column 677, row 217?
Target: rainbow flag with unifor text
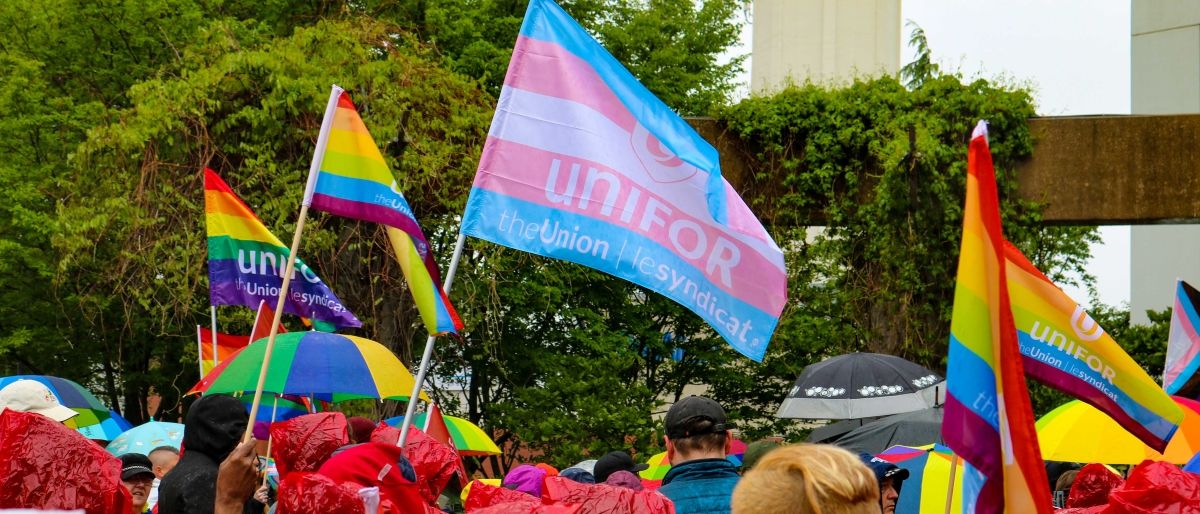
column 1180, row 375
column 353, row 180
column 1064, row 348
column 988, row 418
column 246, row 262
column 583, row 163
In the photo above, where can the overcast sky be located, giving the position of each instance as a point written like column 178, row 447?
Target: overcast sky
column 1073, row 54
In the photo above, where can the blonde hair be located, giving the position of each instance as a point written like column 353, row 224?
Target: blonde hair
column 808, row 479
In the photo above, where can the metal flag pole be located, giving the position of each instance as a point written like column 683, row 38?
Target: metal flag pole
column 213, row 312
column 428, row 354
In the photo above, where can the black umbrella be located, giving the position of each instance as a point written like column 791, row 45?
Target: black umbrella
column 861, row 385
column 917, row 428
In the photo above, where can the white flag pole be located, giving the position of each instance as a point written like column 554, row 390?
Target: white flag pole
column 200, row 351
column 313, row 170
column 427, row 356
column 212, row 309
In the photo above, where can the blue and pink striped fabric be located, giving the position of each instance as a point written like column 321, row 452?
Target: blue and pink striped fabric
column 583, row 163
column 1183, row 345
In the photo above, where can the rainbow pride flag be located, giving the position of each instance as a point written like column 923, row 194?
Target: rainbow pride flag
column 246, row 262
column 1183, row 345
column 1064, row 348
column 988, row 418
column 353, row 180
column 583, row 163
column 227, row 346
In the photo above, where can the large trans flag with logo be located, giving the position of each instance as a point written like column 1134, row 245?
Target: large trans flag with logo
column 583, row 163
column 1064, row 348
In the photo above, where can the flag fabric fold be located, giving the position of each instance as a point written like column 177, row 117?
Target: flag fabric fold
column 1064, row 348
column 583, row 163
column 353, row 180
column 988, row 417
column 246, row 262
column 1183, row 345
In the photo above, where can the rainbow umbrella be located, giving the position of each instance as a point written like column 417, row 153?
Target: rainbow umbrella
column 322, row 366
column 929, row 474
column 146, row 437
column 106, row 430
column 1077, row 432
column 71, row 395
column 469, row 439
column 284, row 407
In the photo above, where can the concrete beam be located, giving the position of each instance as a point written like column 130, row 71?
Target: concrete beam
column 1087, row 170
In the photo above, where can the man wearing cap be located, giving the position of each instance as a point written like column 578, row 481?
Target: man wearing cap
column 613, row 462
column 33, row 396
column 890, row 476
column 701, row 480
column 137, row 478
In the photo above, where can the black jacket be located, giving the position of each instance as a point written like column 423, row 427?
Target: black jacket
column 212, row 429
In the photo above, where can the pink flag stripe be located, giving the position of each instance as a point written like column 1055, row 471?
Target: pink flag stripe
column 574, row 79
column 1189, row 331
column 528, row 178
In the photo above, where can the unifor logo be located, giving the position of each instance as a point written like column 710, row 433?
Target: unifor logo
column 660, row 162
column 1084, row 326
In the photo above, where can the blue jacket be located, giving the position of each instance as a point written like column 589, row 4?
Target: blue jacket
column 701, row 486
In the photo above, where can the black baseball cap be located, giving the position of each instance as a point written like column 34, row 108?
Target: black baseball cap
column 135, row 464
column 695, row 415
column 613, row 462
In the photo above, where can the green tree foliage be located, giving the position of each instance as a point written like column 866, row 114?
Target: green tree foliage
column 112, row 108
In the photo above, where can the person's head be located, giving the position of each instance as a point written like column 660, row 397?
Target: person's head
column 1066, row 480
column 525, row 478
column 137, row 477
column 755, row 451
column 613, row 462
column 696, row 429
column 360, row 429
column 33, row 396
column 578, row 475
column 163, row 459
column 622, row 478
column 214, row 425
column 807, row 479
column 890, row 478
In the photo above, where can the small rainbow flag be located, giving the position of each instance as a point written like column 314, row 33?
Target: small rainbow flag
column 1064, row 348
column 1183, row 344
column 227, row 346
column 988, row 420
column 353, row 180
column 246, row 262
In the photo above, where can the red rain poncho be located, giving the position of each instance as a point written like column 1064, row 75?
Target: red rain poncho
column 304, row 443
column 1159, row 488
column 45, row 465
column 434, row 462
column 376, row 465
column 1092, row 485
column 310, row 493
column 563, row 495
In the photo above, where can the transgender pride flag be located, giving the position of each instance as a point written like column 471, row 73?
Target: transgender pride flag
column 582, row 163
column 1183, row 345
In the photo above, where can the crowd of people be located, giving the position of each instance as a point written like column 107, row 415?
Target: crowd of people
column 329, row 463
column 216, row 472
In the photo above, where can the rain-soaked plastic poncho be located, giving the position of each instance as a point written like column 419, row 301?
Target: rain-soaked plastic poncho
column 1152, row 488
column 376, row 464
column 564, row 495
column 434, row 462
column 45, row 465
column 1092, row 485
column 310, row 493
column 305, row 442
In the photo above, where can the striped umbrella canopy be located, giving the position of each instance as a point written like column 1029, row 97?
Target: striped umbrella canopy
column 469, row 439
column 71, row 395
column 928, row 480
column 1077, row 432
column 320, row 365
column 146, row 437
column 106, row 430
column 283, row 407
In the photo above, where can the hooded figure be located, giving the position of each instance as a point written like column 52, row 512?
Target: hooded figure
column 212, row 428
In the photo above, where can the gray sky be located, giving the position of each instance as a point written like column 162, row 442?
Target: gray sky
column 1073, row 54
